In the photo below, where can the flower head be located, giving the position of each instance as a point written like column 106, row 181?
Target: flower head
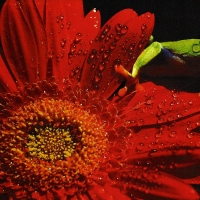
column 67, row 127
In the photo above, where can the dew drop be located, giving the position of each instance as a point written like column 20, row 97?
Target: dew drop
column 198, row 144
column 143, row 27
column 118, row 27
column 61, row 17
column 190, row 103
column 62, row 26
column 68, row 25
column 72, row 73
column 112, row 45
column 91, row 56
column 101, row 66
column 140, row 147
column 97, row 77
column 124, row 30
column 63, row 42
column 160, row 121
column 170, row 118
column 58, row 19
column 118, row 36
column 105, row 31
column 140, row 122
column 172, row 134
column 106, row 54
column 102, row 49
column 198, row 123
column 190, row 135
column 72, row 49
column 78, row 38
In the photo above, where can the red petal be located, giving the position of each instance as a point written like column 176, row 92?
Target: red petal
column 62, row 20
column 86, row 32
column 41, row 8
column 107, row 192
column 153, row 185
column 20, row 43
column 7, row 83
column 157, row 105
column 120, row 41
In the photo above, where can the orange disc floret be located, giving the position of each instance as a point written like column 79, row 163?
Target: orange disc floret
column 51, row 143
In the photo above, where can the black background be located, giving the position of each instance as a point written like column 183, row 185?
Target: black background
column 175, row 19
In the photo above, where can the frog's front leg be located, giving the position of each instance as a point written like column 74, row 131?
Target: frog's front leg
column 146, row 56
column 150, row 53
column 171, row 51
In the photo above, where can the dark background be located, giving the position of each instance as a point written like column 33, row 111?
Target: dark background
column 175, row 19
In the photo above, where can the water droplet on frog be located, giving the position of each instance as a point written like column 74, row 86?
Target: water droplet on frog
column 196, row 48
column 92, row 56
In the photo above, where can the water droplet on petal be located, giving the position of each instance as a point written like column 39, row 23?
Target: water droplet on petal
column 61, row 17
column 118, row 27
column 102, row 66
column 140, row 147
column 160, row 121
column 106, row 54
column 143, row 27
column 190, row 103
column 124, row 30
column 97, row 77
column 92, row 56
column 112, row 45
column 190, row 135
column 172, row 134
column 68, row 25
column 78, row 38
column 63, row 42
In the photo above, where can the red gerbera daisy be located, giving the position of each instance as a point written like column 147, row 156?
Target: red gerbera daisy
column 66, row 129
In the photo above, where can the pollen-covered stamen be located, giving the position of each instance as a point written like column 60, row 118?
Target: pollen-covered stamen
column 51, row 143
column 130, row 79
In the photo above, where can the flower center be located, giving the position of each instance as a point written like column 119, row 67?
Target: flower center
column 51, row 142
